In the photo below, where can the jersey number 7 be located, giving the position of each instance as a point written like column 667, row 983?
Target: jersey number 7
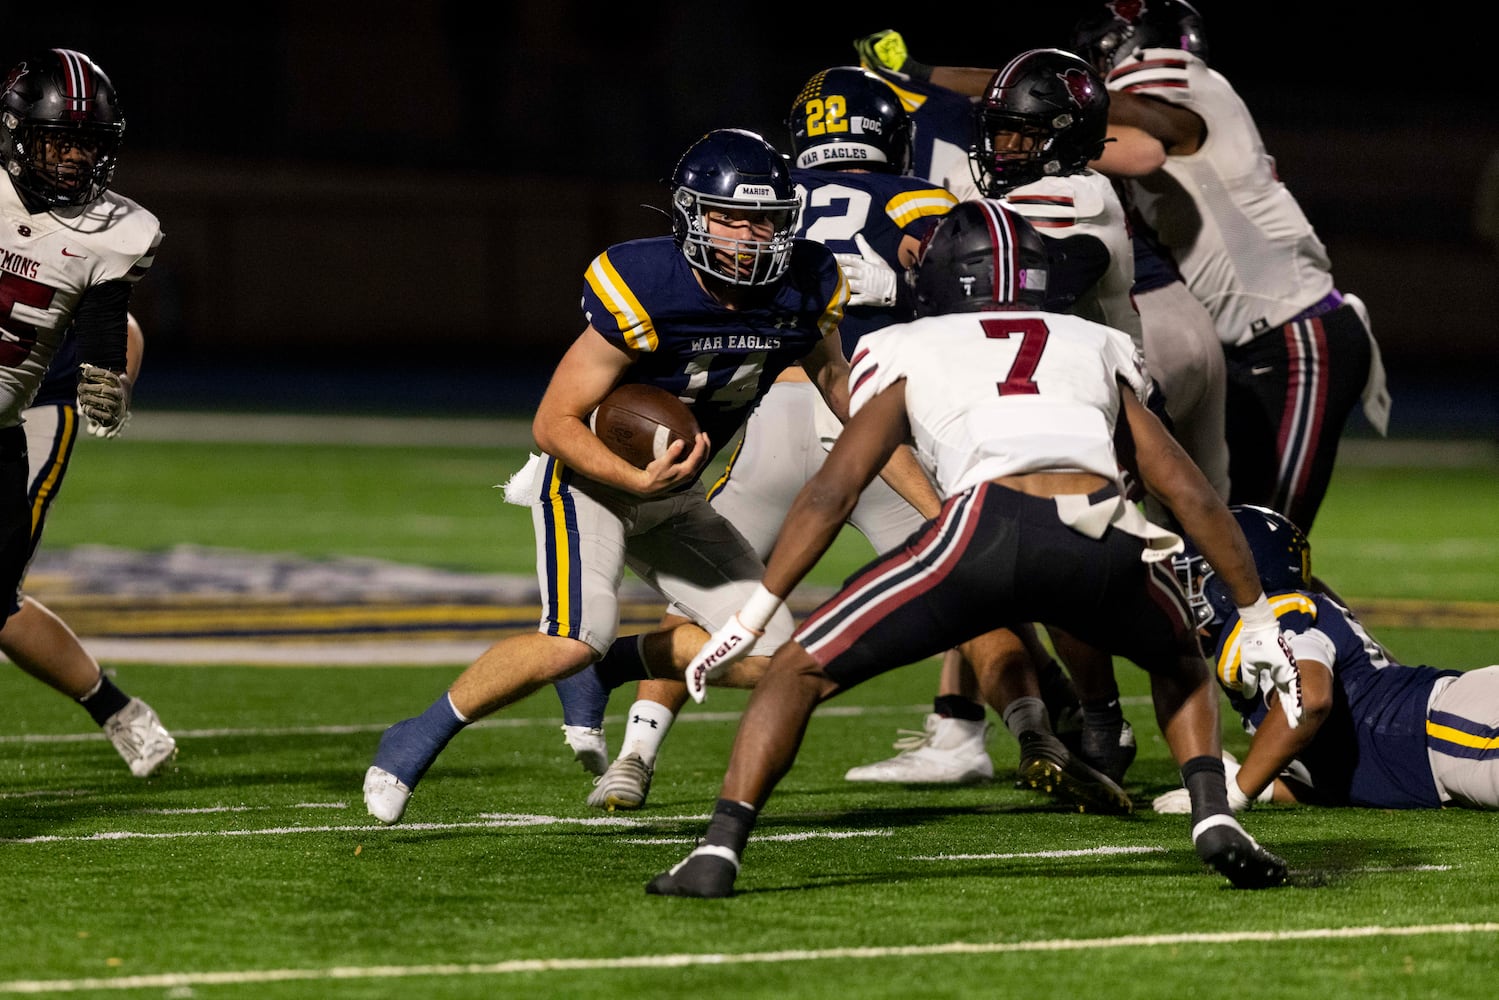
column 1032, row 333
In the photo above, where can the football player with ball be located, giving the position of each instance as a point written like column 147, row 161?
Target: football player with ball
column 712, row 314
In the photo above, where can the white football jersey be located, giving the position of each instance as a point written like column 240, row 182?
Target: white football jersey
column 47, row 261
column 1242, row 242
column 1086, row 204
column 1001, row 393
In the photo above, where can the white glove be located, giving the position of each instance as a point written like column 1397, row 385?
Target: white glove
column 1178, row 801
column 1237, row 800
column 725, row 647
column 104, row 400
column 1263, row 651
column 871, row 281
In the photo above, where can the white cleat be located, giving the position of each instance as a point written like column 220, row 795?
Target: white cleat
column 385, row 795
column 588, row 747
column 624, row 785
column 947, row 752
column 140, row 738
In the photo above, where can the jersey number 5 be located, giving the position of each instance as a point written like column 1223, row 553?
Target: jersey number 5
column 1032, row 333
column 17, row 338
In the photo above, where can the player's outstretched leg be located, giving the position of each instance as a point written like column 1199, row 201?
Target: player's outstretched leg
column 406, row 750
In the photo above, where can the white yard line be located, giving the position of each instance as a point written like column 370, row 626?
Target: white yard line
column 690, row 718
column 170, row 980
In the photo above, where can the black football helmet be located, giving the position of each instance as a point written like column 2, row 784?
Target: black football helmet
column 1124, row 27
column 847, row 116
column 981, row 256
column 1045, row 114
column 734, row 170
column 60, row 128
column 1282, row 555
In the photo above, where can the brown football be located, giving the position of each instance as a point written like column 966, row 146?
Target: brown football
column 638, row 422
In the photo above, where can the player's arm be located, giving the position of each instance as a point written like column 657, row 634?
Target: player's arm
column 1275, row 743
column 1129, row 152
column 1180, row 132
column 902, row 472
column 827, row 367
column 592, row 367
column 819, row 510
column 1166, row 471
column 104, row 384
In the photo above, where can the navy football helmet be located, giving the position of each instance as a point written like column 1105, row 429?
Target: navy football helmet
column 1045, row 114
column 1124, row 27
column 1282, row 555
column 981, row 256
column 735, row 171
column 60, row 128
column 849, row 117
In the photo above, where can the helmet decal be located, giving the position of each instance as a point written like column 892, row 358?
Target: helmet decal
column 1126, row 10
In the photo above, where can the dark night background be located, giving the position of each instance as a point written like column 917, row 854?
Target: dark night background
column 412, row 191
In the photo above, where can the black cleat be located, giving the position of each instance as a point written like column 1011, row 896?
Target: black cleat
column 1110, row 750
column 1237, row 856
column 1046, row 765
column 707, row 873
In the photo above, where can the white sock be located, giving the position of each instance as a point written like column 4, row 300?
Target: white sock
column 648, row 723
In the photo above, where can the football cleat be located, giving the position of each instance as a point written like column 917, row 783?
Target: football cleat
column 1234, row 854
column 385, row 795
column 1110, row 751
column 947, row 751
column 140, row 738
column 588, row 747
column 707, row 873
column 1047, row 766
column 624, row 785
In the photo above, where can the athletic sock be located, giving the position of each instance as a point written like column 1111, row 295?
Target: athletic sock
column 584, row 698
column 104, row 700
column 731, row 825
column 1025, row 715
column 623, row 661
column 955, row 706
column 646, row 730
column 1204, row 779
column 410, row 746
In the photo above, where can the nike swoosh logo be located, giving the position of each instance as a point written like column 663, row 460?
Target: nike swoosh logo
column 1262, row 369
column 66, row 254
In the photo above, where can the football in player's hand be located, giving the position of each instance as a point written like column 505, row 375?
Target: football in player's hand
column 638, row 422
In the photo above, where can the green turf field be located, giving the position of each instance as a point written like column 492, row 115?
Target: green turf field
column 249, row 869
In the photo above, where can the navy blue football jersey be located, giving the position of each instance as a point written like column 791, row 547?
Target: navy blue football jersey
column 644, row 296
column 1371, row 751
column 60, row 384
column 883, row 208
column 943, row 123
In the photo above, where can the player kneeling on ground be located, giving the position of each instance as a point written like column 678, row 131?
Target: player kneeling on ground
column 1015, row 414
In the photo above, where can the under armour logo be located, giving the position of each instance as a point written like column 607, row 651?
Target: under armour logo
column 650, row 722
